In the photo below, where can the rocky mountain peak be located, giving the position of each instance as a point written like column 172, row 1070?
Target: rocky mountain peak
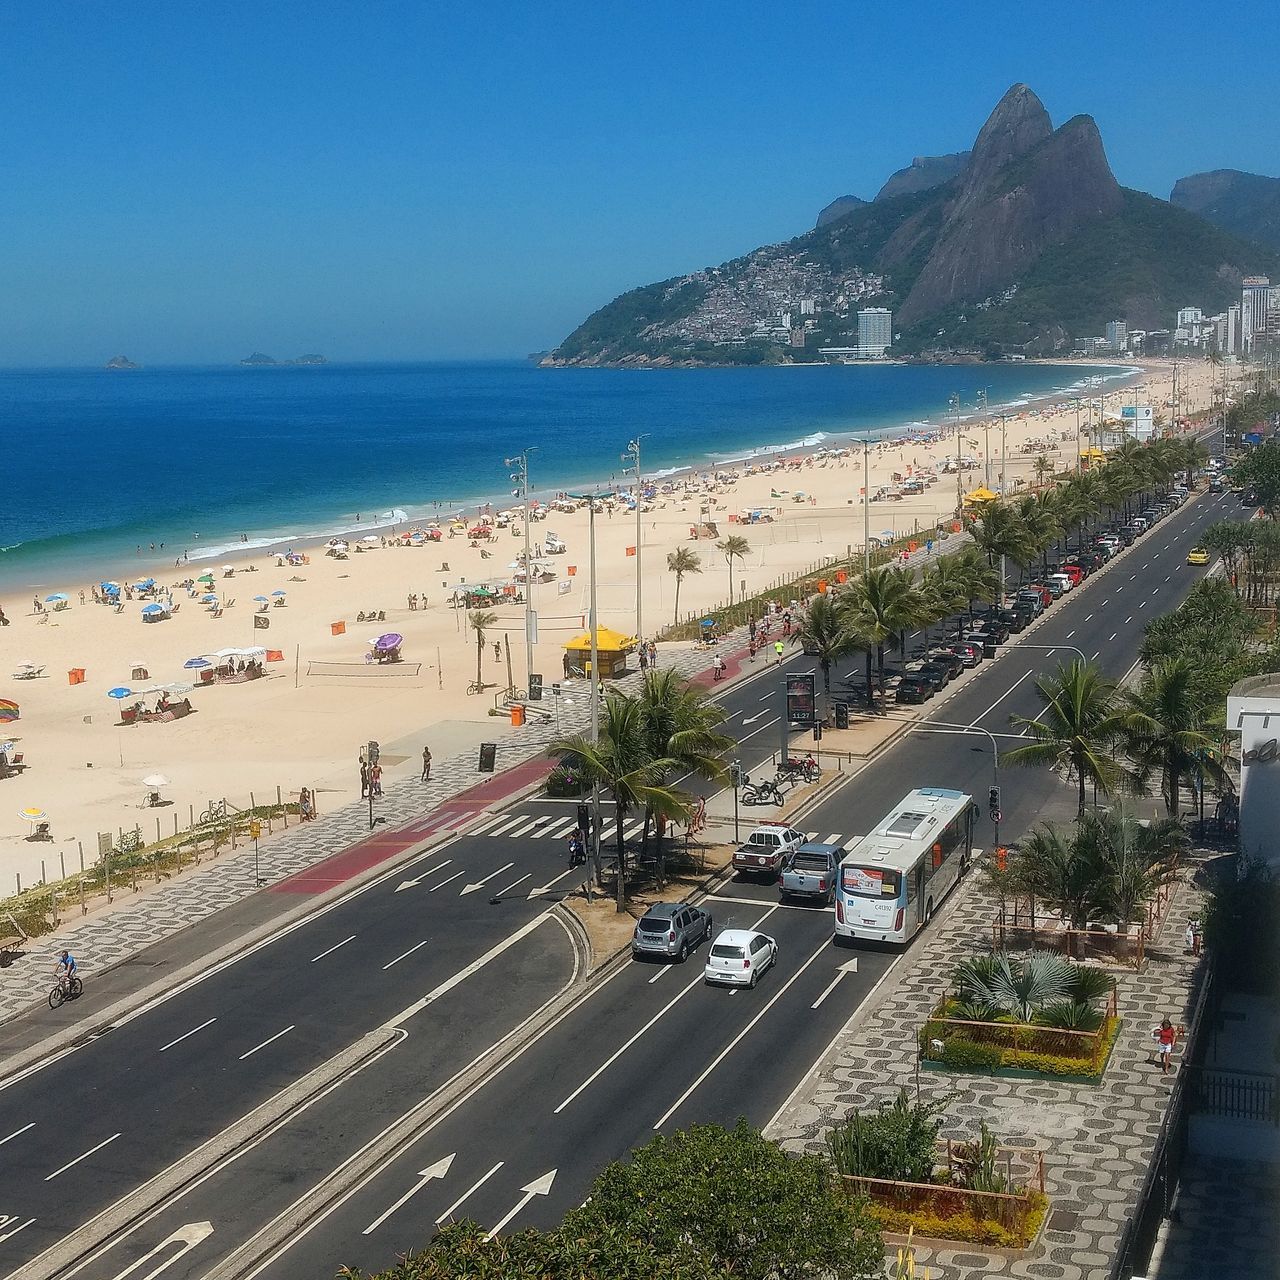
column 1018, row 124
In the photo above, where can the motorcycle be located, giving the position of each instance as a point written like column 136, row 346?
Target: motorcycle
column 795, row 767
column 765, row 792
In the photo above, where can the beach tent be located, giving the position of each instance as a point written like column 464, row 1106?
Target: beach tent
column 611, row 646
column 980, row 495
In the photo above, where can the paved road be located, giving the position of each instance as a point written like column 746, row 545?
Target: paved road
column 649, row 1048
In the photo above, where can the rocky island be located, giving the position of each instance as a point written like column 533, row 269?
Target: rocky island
column 121, row 362
column 259, row 358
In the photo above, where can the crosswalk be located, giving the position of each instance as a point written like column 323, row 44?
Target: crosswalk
column 542, row 826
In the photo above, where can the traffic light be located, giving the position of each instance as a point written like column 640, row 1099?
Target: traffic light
column 817, row 731
column 993, row 798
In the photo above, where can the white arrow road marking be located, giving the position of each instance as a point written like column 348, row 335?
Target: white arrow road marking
column 332, row 949
column 475, row 1186
column 437, row 1170
column 13, row 1231
column 208, row 1023
column 746, row 720
column 849, row 966
column 533, row 893
column 417, row 880
column 538, row 1187
column 189, row 1236
column 449, row 880
column 480, row 884
column 416, row 947
column 77, row 1160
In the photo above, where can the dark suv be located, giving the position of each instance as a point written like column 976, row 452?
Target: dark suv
column 914, row 687
column 937, row 673
column 948, row 659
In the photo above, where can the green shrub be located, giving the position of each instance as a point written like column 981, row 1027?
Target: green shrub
column 898, row 1140
column 965, row 1055
column 1071, row 1015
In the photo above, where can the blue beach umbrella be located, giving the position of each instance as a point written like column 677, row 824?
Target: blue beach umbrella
column 120, row 692
column 153, row 608
column 53, row 599
column 707, row 622
column 209, row 597
column 145, row 583
column 196, row 664
column 111, row 588
column 261, row 599
column 279, row 592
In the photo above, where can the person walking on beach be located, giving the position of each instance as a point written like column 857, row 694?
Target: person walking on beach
column 426, row 764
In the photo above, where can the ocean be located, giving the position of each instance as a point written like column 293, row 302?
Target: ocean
column 203, row 459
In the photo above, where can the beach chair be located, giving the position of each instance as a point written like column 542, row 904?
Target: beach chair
column 228, row 604
column 174, row 608
column 217, row 611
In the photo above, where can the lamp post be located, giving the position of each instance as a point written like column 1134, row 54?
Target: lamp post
column 1079, row 455
column 980, row 403
column 953, row 404
column 632, row 455
column 867, row 442
column 520, row 476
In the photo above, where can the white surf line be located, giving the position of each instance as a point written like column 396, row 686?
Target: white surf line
column 450, row 880
column 471, row 1190
column 269, row 1040
column 416, row 947
column 617, row 1053
column 998, row 701
column 86, row 1155
column 724, row 1053
column 527, row 876
column 186, row 1034
column 17, row 1133
column 332, row 949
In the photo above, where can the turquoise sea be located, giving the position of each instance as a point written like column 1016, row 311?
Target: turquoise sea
column 104, row 462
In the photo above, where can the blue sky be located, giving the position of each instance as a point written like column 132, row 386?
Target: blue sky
column 187, row 182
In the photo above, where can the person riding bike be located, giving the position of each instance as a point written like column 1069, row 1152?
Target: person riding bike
column 66, row 970
column 577, row 848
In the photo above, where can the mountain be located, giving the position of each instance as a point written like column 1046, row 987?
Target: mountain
column 1031, row 243
column 923, row 174
column 1247, row 204
column 838, row 208
column 121, row 362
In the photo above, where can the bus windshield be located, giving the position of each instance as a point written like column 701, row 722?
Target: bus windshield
column 870, row 882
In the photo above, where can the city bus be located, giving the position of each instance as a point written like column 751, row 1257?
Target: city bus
column 893, row 879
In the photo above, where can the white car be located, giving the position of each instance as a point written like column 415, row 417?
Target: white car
column 739, row 956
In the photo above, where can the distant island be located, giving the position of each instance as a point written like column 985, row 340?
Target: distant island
column 121, row 362
column 258, row 358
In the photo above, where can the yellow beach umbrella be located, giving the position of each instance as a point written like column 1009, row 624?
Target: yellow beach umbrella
column 32, row 815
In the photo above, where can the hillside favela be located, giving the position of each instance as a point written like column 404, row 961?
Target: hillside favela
column 639, row 644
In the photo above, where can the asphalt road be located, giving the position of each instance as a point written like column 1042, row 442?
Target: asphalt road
column 650, row 1048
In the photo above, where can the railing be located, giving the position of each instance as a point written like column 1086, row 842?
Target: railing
column 1238, row 1095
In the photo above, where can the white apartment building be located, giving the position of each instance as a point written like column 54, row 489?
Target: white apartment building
column 1256, row 298
column 875, row 331
column 1117, row 335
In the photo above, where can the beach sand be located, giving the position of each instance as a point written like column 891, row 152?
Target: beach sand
column 296, row 728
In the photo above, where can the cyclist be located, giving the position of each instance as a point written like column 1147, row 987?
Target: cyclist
column 577, row 848
column 66, row 970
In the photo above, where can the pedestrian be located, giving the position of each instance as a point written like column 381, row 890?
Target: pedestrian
column 777, row 651
column 497, row 652
column 751, row 627
column 1165, row 1037
column 375, row 779
column 653, row 655
column 1189, row 938
column 644, row 659
column 364, row 780
column 426, row 764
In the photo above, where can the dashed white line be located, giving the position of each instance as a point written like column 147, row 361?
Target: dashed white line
column 442, row 883
column 1129, row 619
column 404, row 955
column 268, row 1041
column 86, row 1155
column 1090, row 616
column 1112, row 636
column 17, row 1133
column 185, row 1034
column 1071, row 633
column 332, row 949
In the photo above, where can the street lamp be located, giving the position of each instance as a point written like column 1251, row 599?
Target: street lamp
column 953, row 405
column 520, row 477
column 867, row 442
column 980, row 404
column 632, row 455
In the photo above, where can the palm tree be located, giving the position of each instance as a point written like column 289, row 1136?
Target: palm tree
column 1076, row 730
column 481, row 620
column 620, row 763
column 1043, row 468
column 944, row 588
column 681, row 561
column 880, row 605
column 823, row 630
column 978, row 580
column 1050, row 867
column 999, row 533
column 1162, row 726
column 734, row 547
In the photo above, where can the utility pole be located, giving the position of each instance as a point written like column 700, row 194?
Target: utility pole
column 1003, row 472
column 953, row 404
column 1079, row 455
column 520, row 477
column 866, row 508
column 632, row 455
column 980, row 403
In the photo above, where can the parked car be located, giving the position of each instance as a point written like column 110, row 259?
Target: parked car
column 1014, row 619
column 671, row 930
column 766, row 848
column 811, row 872
column 1197, row 555
column 914, row 688
column 1031, row 600
column 1128, row 535
column 937, row 673
column 739, row 956
column 949, row 658
column 1217, row 485
column 1140, row 524
column 969, row 654
column 1059, row 584
column 995, row 630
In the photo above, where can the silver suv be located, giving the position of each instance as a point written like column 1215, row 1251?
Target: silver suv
column 670, row 930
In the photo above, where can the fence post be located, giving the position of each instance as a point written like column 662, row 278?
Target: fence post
column 108, row 865
column 80, row 846
column 84, row 911
column 44, row 879
column 284, row 809
column 133, row 876
column 62, row 863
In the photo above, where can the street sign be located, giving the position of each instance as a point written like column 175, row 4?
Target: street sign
column 255, row 829
column 488, row 756
column 800, row 698
column 997, row 817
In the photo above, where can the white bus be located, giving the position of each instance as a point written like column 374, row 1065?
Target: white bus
column 894, row 879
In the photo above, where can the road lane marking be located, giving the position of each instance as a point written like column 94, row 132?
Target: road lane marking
column 528, row 875
column 768, row 724
column 1090, row 616
column 849, row 966
column 823, row 949
column 86, row 1155
column 416, row 947
column 473, row 885
column 13, row 1231
column 269, row 1040
column 437, row 1170
column 666, row 1008
column 507, row 824
column 533, row 893
column 1128, row 620
column 486, row 823
column 767, row 696
column 560, row 827
column 1112, row 636
column 1000, row 699
column 332, row 949
column 1095, row 656
column 538, row 1187
column 417, row 880
column 1072, row 631
column 189, row 1235
column 185, row 1034
column 474, row 1187
column 449, row 880
column 17, row 1133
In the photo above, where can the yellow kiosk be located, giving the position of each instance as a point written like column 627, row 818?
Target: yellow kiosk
column 611, row 647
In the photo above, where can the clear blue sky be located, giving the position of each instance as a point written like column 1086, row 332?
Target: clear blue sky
column 187, row 182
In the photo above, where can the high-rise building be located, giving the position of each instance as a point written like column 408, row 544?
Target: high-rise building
column 875, row 331
column 1189, row 317
column 1233, row 330
column 1117, row 335
column 1255, row 302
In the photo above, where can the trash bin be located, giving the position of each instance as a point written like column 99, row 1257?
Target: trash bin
column 75, row 675
column 517, row 714
column 338, row 628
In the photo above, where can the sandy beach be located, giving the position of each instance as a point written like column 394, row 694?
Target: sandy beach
column 301, row 724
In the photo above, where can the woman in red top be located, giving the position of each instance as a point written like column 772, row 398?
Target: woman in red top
column 1166, row 1035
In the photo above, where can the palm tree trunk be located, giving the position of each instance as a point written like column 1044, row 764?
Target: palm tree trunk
column 826, row 682
column 871, row 697
column 1080, row 783
column 676, row 617
column 479, row 656
column 620, row 814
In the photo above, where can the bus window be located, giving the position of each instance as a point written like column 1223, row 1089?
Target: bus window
column 870, row 882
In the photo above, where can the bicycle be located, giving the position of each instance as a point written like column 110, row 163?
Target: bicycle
column 216, row 812
column 72, row 989
column 475, row 687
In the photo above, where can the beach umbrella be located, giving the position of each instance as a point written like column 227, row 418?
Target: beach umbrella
column 205, row 577
column 152, row 609
column 887, row 533
column 32, row 815
column 196, row 664
column 53, row 599
column 390, row 641
column 209, row 597
column 262, row 599
column 8, row 710
column 708, row 622
column 225, row 567
column 178, row 686
column 119, row 692
column 144, row 583
column 279, row 591
column 155, row 780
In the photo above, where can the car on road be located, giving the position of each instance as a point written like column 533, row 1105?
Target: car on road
column 766, row 848
column 811, row 872
column 1217, row 485
column 670, row 930
column 914, row 688
column 938, row 674
column 1197, row 555
column 947, row 658
column 969, row 654
column 1015, row 619
column 1128, row 535
column 739, row 956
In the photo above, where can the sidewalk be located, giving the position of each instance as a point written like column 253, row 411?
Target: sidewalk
column 1097, row 1140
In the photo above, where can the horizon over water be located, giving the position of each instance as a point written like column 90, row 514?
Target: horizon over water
column 194, row 457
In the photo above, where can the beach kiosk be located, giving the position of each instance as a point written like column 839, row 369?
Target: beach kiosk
column 979, row 497
column 611, row 646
